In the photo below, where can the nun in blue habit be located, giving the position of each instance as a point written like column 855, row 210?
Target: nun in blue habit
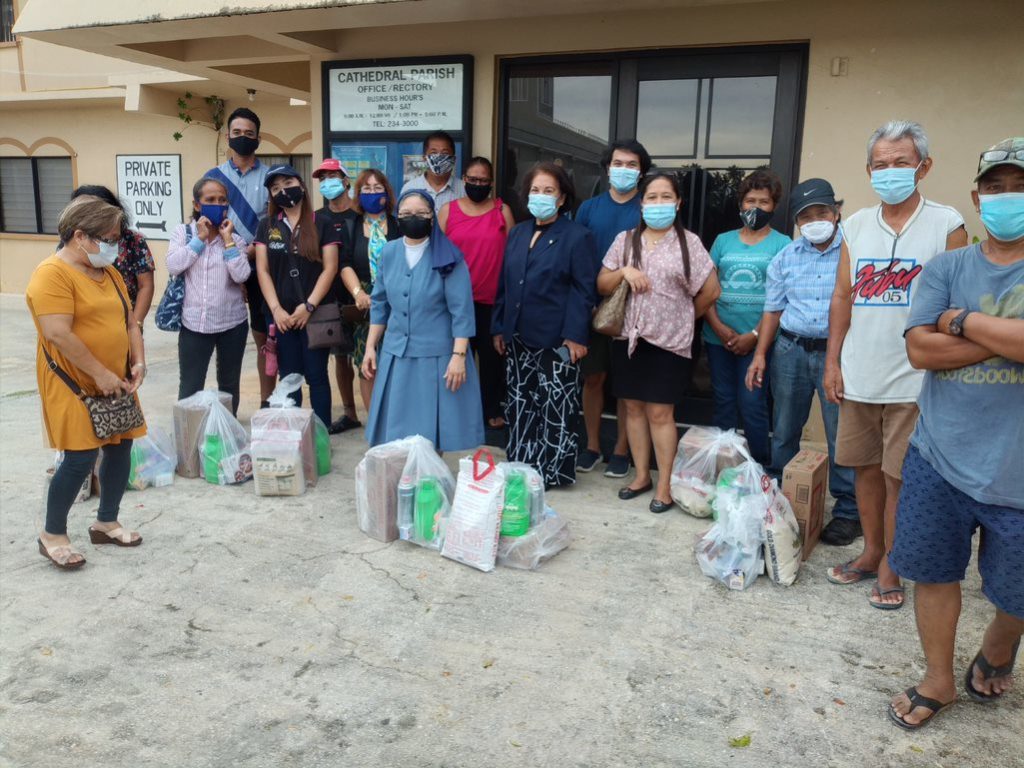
column 424, row 380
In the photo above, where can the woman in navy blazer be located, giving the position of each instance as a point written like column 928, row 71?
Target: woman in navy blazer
column 541, row 323
column 422, row 305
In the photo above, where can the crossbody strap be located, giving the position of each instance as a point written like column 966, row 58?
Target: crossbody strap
column 61, row 373
column 293, row 263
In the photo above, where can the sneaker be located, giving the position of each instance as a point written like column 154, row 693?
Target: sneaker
column 587, row 460
column 841, row 531
column 618, row 466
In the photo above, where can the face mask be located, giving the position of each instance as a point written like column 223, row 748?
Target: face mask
column 894, row 185
column 623, row 179
column 331, row 188
column 755, row 218
column 440, row 165
column 543, row 207
column 243, row 145
column 818, row 232
column 289, row 197
column 415, row 227
column 373, row 202
column 478, row 192
column 215, row 213
column 659, row 215
column 1003, row 215
column 106, row 256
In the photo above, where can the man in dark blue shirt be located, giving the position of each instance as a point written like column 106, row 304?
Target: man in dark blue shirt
column 606, row 215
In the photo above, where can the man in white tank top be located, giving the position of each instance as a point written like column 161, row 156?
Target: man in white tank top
column 867, row 371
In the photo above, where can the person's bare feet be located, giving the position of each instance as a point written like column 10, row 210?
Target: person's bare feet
column 943, row 692
column 996, row 656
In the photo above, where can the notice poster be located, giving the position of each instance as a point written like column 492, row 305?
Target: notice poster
column 356, row 158
column 412, row 98
column 150, row 186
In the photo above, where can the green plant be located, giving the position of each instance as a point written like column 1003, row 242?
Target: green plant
column 186, row 110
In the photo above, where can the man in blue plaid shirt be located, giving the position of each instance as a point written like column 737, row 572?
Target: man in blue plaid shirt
column 799, row 288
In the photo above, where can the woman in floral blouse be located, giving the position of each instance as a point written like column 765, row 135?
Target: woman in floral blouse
column 134, row 260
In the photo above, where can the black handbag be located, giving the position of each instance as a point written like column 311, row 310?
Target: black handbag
column 110, row 414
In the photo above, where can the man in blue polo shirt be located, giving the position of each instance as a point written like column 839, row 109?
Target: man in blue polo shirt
column 798, row 293
column 244, row 177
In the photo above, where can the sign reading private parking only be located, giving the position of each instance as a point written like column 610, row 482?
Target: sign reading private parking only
column 150, row 186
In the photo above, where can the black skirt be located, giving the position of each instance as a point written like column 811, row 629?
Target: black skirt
column 651, row 375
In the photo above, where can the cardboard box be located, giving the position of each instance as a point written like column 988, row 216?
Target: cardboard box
column 377, row 478
column 189, row 426
column 804, row 482
column 277, row 468
column 284, row 424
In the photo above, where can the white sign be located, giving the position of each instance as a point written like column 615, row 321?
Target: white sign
column 150, row 186
column 403, row 99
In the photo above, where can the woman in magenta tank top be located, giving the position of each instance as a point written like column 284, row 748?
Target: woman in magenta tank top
column 479, row 224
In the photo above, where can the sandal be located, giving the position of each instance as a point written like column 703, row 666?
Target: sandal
column 917, row 700
column 880, row 593
column 61, row 556
column 122, row 537
column 847, row 568
column 988, row 672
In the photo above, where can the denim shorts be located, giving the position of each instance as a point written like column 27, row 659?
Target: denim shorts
column 935, row 523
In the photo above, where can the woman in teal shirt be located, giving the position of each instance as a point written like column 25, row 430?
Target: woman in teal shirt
column 730, row 331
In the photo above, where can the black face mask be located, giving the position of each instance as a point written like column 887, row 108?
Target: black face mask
column 243, row 145
column 288, row 197
column 755, row 218
column 415, row 227
column 478, row 192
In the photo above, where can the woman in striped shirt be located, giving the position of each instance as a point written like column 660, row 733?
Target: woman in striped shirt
column 214, row 318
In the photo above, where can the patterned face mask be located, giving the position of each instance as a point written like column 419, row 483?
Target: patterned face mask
column 440, row 164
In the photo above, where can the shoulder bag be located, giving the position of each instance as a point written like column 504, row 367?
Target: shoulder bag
column 611, row 313
column 323, row 329
column 168, row 311
column 110, row 414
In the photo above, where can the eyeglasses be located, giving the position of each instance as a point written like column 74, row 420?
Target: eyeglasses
column 996, row 155
column 403, row 216
column 477, row 180
column 108, row 241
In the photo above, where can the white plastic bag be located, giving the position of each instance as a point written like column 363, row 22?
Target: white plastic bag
column 153, row 461
column 545, row 540
column 285, row 435
column 224, row 453
column 471, row 536
column 702, row 454
column 425, row 494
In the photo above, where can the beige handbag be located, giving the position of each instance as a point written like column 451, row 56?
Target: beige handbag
column 611, row 314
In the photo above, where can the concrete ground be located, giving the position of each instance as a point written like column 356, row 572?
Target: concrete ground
column 271, row 632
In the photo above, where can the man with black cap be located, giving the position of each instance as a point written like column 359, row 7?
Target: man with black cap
column 798, row 290
column 965, row 466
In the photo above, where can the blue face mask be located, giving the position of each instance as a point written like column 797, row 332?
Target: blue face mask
column 623, row 179
column 331, row 188
column 1003, row 215
column 215, row 213
column 894, row 185
column 373, row 202
column 543, row 207
column 659, row 215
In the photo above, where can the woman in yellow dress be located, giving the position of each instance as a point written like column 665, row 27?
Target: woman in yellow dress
column 77, row 300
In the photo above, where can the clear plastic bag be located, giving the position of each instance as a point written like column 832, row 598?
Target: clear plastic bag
column 545, row 540
column 731, row 551
column 153, row 461
column 378, row 475
column 225, row 457
column 471, row 535
column 285, row 435
column 425, row 494
column 190, row 428
column 702, row 454
column 534, row 489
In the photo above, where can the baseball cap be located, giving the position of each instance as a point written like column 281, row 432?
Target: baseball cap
column 330, row 164
column 280, row 170
column 1006, row 152
column 810, row 192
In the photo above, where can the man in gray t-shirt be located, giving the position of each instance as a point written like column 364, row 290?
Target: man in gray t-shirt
column 965, row 466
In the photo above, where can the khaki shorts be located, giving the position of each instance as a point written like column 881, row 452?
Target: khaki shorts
column 875, row 433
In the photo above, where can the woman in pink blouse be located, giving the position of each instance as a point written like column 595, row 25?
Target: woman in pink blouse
column 214, row 317
column 672, row 282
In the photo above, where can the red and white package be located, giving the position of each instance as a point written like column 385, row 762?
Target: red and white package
column 471, row 537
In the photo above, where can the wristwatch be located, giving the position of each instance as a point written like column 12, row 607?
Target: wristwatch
column 310, row 306
column 956, row 325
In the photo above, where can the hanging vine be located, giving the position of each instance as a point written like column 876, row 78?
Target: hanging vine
column 187, row 113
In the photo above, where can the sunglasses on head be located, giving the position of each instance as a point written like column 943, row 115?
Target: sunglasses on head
column 996, row 155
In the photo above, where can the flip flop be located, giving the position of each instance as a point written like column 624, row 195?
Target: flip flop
column 122, row 537
column 917, row 700
column 60, row 556
column 846, row 568
column 882, row 593
column 988, row 672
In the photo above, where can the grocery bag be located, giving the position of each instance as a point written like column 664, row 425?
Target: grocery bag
column 284, row 435
column 425, row 493
column 703, row 453
column 471, row 536
column 153, row 460
column 545, row 540
column 225, row 456
column 377, row 477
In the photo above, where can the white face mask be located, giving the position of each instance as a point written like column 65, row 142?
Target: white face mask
column 106, row 255
column 817, row 232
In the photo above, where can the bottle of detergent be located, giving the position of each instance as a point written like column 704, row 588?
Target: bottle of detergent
column 323, row 449
column 515, row 515
column 406, row 506
column 429, row 501
column 213, row 454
